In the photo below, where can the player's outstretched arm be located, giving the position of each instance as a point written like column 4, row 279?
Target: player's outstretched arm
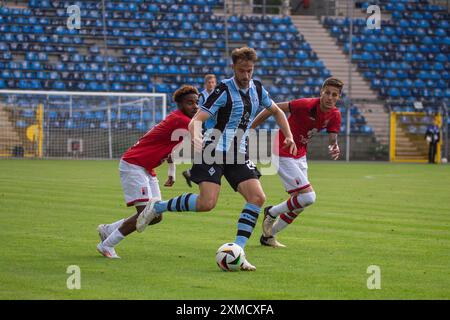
column 284, row 106
column 333, row 148
column 282, row 122
column 260, row 118
column 263, row 115
column 195, row 129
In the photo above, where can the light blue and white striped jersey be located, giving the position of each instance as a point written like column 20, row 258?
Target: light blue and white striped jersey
column 202, row 97
column 233, row 109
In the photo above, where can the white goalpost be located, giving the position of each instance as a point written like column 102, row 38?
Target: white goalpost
column 83, row 125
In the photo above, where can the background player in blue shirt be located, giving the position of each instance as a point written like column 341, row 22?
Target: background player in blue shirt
column 209, row 85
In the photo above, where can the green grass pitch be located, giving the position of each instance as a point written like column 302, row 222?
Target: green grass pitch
column 395, row 216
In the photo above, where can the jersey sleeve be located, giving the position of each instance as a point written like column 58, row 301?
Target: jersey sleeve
column 201, row 99
column 216, row 100
column 266, row 101
column 264, row 98
column 334, row 126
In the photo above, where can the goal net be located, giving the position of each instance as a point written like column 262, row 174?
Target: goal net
column 407, row 136
column 98, row 125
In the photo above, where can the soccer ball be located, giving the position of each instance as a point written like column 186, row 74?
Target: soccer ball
column 229, row 257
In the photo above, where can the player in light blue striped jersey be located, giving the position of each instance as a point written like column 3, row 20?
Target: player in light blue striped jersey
column 233, row 105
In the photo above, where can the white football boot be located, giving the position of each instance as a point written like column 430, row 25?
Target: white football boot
column 268, row 222
column 147, row 215
column 271, row 242
column 246, row 266
column 103, row 233
column 108, row 252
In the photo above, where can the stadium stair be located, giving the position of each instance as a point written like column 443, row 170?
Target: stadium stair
column 236, row 7
column 337, row 62
column 377, row 118
column 333, row 57
column 410, row 146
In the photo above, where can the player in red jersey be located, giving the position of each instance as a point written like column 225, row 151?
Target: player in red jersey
column 137, row 166
column 307, row 117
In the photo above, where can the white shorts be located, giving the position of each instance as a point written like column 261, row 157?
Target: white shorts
column 294, row 173
column 138, row 185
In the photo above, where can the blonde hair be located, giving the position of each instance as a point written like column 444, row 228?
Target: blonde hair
column 209, row 76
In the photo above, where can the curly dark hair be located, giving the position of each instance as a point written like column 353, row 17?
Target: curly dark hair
column 184, row 90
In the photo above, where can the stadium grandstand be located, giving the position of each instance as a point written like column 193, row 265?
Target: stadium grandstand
column 142, row 47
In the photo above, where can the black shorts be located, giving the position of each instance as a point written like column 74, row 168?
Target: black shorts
column 234, row 173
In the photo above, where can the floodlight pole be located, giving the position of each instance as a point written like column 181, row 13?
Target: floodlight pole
column 105, row 57
column 227, row 57
column 349, row 91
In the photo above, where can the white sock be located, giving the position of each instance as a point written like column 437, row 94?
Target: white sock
column 113, row 226
column 279, row 225
column 114, row 238
column 284, row 220
column 294, row 203
column 280, row 208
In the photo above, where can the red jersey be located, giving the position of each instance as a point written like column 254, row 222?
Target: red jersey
column 155, row 146
column 305, row 120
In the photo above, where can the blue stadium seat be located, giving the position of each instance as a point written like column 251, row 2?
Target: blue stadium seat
column 100, row 115
column 117, row 86
column 394, row 92
column 88, row 115
column 147, row 51
column 21, row 124
column 59, row 85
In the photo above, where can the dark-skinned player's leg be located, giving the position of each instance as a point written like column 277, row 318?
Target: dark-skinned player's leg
column 128, row 226
column 207, row 177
